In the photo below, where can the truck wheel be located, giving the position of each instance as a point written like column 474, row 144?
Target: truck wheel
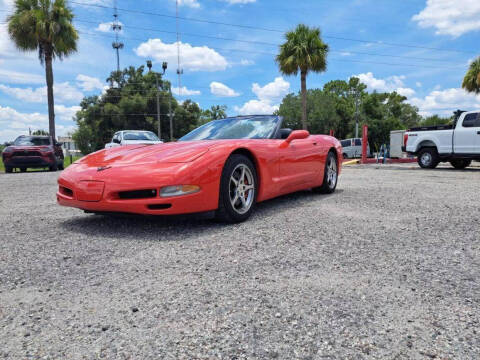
column 460, row 163
column 8, row 169
column 428, row 158
column 23, row 169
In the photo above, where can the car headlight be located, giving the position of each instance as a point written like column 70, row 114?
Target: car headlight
column 7, row 150
column 178, row 190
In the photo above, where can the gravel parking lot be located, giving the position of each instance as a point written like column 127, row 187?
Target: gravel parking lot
column 386, row 268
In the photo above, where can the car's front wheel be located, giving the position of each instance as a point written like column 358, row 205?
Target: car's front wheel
column 330, row 175
column 238, row 189
column 8, row 169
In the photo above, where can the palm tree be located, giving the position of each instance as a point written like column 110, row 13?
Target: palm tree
column 45, row 26
column 303, row 51
column 471, row 81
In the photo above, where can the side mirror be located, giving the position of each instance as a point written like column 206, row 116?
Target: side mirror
column 297, row 135
column 116, row 141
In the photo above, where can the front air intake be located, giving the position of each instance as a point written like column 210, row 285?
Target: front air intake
column 137, row 194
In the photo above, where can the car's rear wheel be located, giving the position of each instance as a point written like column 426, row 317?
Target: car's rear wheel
column 23, row 169
column 61, row 166
column 428, row 158
column 8, row 169
column 53, row 167
column 238, row 189
column 330, row 175
column 460, row 163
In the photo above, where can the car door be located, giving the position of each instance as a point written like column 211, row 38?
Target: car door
column 299, row 163
column 467, row 135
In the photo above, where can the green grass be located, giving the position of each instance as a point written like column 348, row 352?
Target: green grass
column 66, row 163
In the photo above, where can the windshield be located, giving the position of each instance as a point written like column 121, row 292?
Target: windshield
column 140, row 135
column 255, row 127
column 31, row 141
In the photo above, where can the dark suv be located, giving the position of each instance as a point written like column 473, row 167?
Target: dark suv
column 32, row 152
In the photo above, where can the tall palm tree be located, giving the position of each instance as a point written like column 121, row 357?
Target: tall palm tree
column 303, row 51
column 471, row 81
column 45, row 26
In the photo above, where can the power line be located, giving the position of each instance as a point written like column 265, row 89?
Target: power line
column 378, row 42
column 341, row 51
column 273, row 54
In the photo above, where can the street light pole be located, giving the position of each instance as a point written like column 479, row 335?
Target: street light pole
column 158, row 110
column 149, row 65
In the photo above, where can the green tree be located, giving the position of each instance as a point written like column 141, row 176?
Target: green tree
column 45, row 26
column 471, row 81
column 40, row 132
column 303, row 51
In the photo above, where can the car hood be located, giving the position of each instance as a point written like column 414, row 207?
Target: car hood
column 29, row 148
column 174, row 152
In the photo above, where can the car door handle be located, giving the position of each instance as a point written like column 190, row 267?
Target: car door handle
column 316, row 143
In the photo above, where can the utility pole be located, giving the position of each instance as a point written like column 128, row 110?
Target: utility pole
column 356, row 113
column 116, row 27
column 164, row 68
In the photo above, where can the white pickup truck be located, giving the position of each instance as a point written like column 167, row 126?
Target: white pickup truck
column 458, row 143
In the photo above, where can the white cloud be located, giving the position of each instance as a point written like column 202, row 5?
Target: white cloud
column 106, row 26
column 184, row 91
column 389, row 84
column 273, row 91
column 193, row 58
column 450, row 17
column 15, row 77
column 246, row 62
column 444, row 102
column 65, row 113
column 62, row 91
column 222, row 90
column 418, row 84
column 14, row 123
column 89, row 83
column 268, row 100
column 256, row 107
column 189, row 3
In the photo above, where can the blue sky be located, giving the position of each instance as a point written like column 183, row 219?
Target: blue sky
column 390, row 45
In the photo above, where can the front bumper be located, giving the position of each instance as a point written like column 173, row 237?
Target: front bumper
column 28, row 161
column 101, row 194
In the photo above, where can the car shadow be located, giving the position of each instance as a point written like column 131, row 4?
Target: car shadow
column 177, row 227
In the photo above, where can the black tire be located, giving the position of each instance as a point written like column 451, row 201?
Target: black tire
column 460, row 163
column 428, row 158
column 227, row 211
column 329, row 180
column 8, row 169
column 23, row 169
column 345, row 156
column 60, row 166
column 53, row 167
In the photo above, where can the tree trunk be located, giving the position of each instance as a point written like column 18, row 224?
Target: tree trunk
column 51, row 111
column 303, row 77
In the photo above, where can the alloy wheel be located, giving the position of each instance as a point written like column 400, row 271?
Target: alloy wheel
column 241, row 188
column 331, row 172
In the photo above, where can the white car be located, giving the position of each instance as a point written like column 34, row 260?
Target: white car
column 458, row 143
column 129, row 137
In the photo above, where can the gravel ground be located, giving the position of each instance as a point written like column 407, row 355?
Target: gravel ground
column 386, row 268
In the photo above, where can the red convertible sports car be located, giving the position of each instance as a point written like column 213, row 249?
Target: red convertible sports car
column 226, row 166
